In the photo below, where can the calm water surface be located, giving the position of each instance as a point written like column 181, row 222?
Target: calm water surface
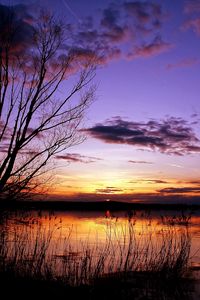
column 79, row 246
column 82, row 229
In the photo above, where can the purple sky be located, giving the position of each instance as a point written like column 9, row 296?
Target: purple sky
column 143, row 130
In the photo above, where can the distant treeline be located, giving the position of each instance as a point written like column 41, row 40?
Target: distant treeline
column 94, row 206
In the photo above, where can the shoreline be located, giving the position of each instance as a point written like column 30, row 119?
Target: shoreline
column 94, row 206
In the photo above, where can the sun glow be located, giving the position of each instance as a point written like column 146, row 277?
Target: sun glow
column 115, row 186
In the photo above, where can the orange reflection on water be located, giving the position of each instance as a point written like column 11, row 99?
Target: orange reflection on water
column 73, row 232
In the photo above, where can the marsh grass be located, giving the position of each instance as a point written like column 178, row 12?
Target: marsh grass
column 183, row 219
column 31, row 249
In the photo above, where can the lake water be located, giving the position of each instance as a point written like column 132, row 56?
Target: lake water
column 79, row 245
column 78, row 229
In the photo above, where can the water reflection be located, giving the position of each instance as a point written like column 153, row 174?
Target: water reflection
column 83, row 247
column 93, row 228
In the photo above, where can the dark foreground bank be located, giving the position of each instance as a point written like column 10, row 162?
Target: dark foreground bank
column 135, row 286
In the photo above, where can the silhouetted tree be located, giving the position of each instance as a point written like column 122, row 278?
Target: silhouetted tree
column 45, row 88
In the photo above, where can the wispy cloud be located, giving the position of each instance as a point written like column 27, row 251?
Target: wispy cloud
column 140, row 162
column 170, row 136
column 180, row 190
column 109, row 190
column 197, row 182
column 157, row 181
column 4, row 148
column 157, row 46
column 176, row 166
column 184, row 63
column 151, row 181
column 77, row 158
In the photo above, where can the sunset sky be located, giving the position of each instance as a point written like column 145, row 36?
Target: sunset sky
column 143, row 133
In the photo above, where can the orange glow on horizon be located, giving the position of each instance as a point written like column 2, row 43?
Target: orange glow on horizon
column 124, row 187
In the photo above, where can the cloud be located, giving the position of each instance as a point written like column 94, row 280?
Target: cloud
column 38, row 135
column 184, row 63
column 194, row 115
column 110, row 17
column 120, row 28
column 77, row 158
column 197, row 182
column 118, row 34
column 109, row 190
column 140, row 162
column 156, row 181
column 82, row 54
column 181, row 190
column 29, row 152
column 5, row 131
column 4, row 148
column 146, row 16
column 112, row 28
column 169, row 136
column 192, row 6
column 157, row 46
column 193, row 24
column 130, row 27
column 18, row 18
column 175, row 166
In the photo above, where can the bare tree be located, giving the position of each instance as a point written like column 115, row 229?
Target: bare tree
column 45, row 87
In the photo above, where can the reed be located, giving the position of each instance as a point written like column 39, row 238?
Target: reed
column 28, row 249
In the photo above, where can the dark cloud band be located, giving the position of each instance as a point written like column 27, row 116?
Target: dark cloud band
column 170, row 136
